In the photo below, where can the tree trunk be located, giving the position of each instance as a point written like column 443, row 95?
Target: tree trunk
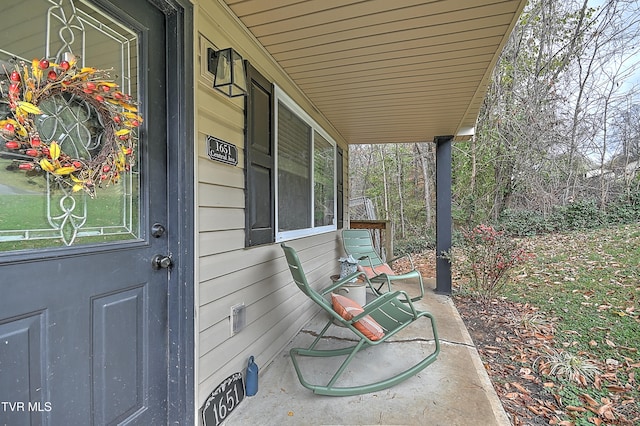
column 424, row 163
column 399, row 179
column 385, row 186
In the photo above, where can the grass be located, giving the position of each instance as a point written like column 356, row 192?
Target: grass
column 592, row 287
column 588, row 284
column 28, row 210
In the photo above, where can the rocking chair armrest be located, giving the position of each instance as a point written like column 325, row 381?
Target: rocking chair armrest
column 383, row 299
column 343, row 281
column 375, row 304
column 407, row 255
column 367, row 258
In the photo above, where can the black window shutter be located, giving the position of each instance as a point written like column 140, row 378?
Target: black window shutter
column 339, row 189
column 259, row 161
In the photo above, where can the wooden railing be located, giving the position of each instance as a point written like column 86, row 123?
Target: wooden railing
column 383, row 229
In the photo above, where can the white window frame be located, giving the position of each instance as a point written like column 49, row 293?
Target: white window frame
column 281, row 96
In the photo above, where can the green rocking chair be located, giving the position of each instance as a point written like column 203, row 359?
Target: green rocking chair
column 359, row 244
column 391, row 311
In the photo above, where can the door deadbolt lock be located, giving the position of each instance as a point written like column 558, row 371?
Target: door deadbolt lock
column 160, row 261
column 157, row 230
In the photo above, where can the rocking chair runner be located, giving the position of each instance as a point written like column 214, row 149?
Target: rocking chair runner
column 392, row 311
column 359, row 244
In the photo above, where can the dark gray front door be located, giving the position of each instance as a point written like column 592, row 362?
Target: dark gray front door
column 83, row 314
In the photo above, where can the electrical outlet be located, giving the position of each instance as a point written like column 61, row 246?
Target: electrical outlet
column 238, row 318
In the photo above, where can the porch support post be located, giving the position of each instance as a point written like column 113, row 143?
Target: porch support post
column 443, row 212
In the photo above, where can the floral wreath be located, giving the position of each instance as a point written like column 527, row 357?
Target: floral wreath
column 28, row 86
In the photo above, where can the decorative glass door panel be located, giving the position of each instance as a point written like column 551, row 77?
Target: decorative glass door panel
column 38, row 210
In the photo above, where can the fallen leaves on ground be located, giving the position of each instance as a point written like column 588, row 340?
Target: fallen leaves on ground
column 512, row 340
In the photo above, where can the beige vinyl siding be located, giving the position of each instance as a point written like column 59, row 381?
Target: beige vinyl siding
column 228, row 273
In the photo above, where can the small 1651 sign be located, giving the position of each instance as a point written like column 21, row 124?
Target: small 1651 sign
column 223, row 400
column 222, row 151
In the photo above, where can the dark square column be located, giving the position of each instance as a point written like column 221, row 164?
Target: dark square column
column 443, row 212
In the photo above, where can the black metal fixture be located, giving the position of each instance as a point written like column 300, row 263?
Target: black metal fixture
column 228, row 67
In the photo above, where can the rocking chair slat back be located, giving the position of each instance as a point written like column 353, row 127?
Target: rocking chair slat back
column 358, row 243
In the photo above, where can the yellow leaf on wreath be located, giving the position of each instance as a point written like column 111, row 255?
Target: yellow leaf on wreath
column 46, row 165
column 35, row 69
column 20, row 130
column 108, row 84
column 120, row 161
column 8, row 121
column 123, row 132
column 54, row 150
column 64, row 170
column 77, row 187
column 29, row 108
column 132, row 116
column 88, row 70
column 130, row 107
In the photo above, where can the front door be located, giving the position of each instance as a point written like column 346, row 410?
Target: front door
column 83, row 312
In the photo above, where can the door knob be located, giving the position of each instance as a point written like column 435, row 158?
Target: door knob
column 160, row 261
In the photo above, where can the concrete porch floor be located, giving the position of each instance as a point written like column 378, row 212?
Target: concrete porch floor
column 454, row 390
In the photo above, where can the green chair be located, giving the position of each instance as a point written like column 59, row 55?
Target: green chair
column 392, row 311
column 359, row 244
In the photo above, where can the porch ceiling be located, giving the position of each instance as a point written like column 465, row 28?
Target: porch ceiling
column 386, row 71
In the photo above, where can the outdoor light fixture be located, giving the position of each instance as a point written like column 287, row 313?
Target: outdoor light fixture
column 228, row 67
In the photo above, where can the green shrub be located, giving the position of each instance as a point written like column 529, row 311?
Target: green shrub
column 624, row 210
column 578, row 215
column 416, row 243
column 523, row 223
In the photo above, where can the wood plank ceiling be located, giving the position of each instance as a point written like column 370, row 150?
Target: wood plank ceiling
column 386, row 71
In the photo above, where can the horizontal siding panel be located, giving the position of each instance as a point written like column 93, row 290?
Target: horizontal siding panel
column 221, row 128
column 216, row 219
column 216, row 174
column 220, row 196
column 265, row 274
column 260, row 334
column 217, row 309
column 320, row 270
column 256, row 311
column 214, row 336
column 222, row 264
column 210, row 243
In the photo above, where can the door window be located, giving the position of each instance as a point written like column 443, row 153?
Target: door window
column 36, row 210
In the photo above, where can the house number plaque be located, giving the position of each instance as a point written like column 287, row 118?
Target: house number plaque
column 223, row 400
column 224, row 152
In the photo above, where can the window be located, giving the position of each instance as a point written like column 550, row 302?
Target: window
column 306, row 167
column 323, row 187
column 290, row 169
column 294, row 171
